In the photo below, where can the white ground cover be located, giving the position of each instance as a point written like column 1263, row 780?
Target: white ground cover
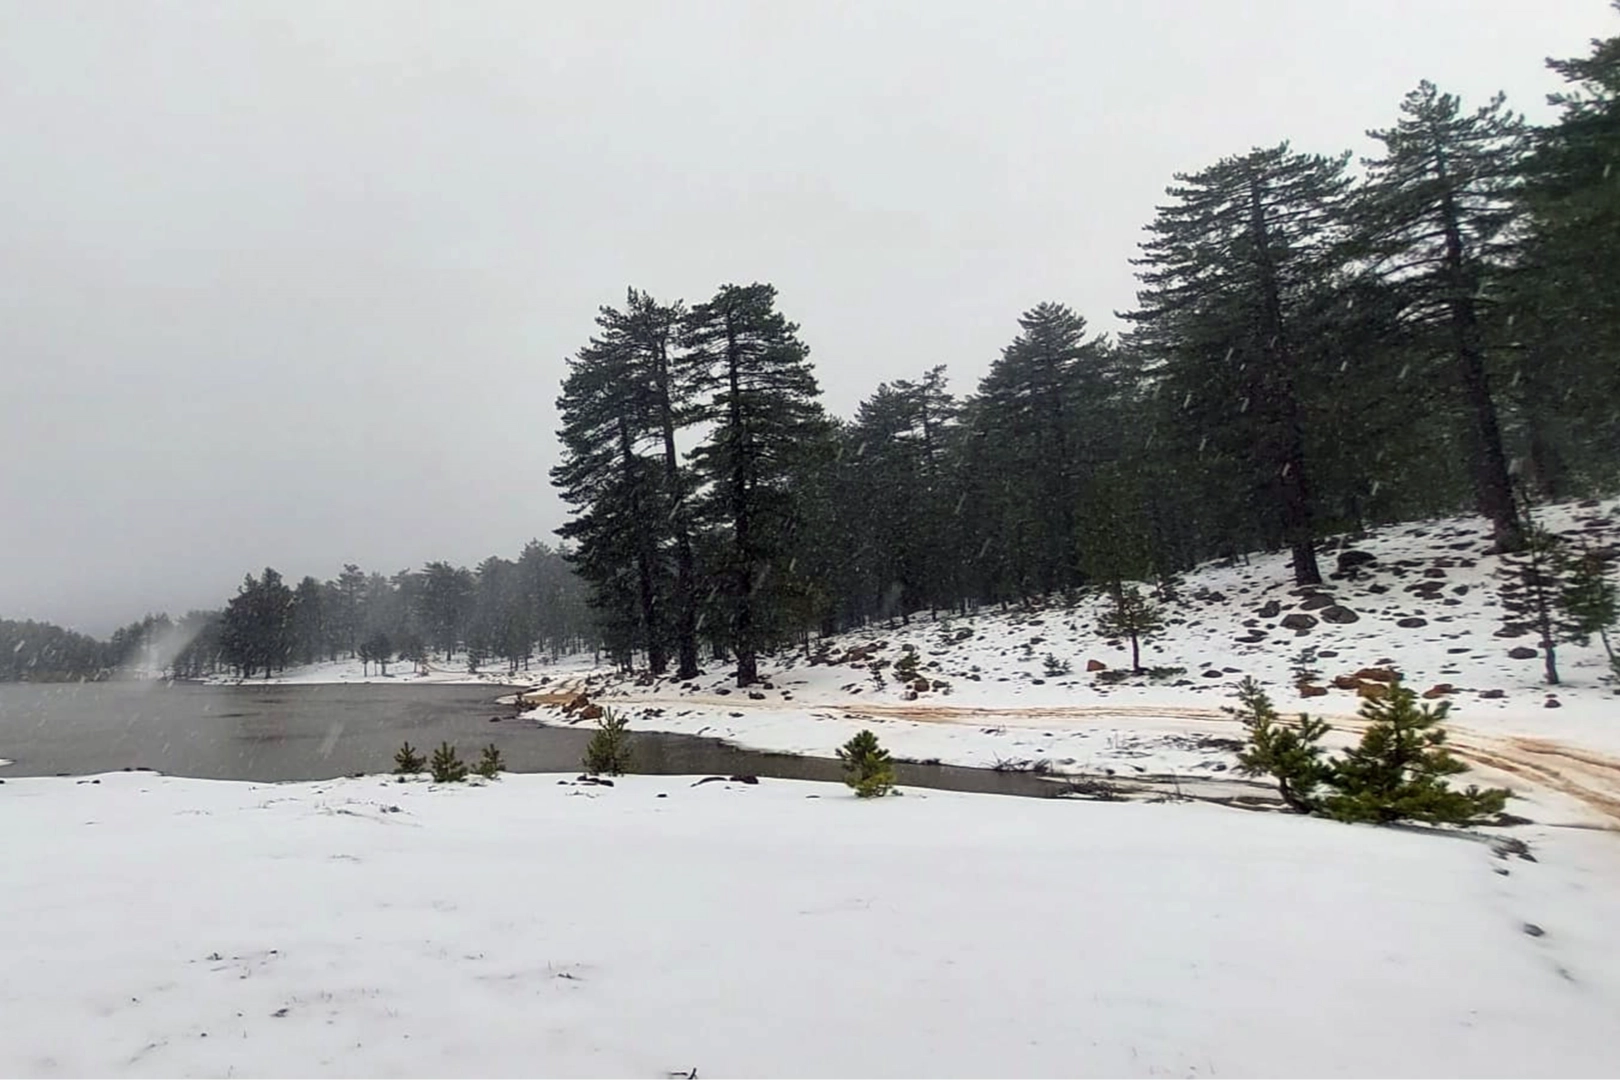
column 166, row 927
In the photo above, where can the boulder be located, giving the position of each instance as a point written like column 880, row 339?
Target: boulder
column 1552, row 703
column 1353, row 559
column 1270, row 610
column 1096, row 665
column 1307, row 690
column 1212, row 673
column 921, row 685
column 1346, row 682
column 1493, row 695
column 1378, row 674
column 578, row 701
column 1412, row 622
column 1523, row 652
column 1299, row 621
column 1439, row 690
column 591, row 712
column 1372, row 691
column 1314, row 601
column 1339, row 615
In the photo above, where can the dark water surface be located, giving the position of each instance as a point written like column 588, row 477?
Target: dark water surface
column 274, row 733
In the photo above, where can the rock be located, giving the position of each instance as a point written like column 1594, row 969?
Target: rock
column 1372, row 691
column 1523, row 652
column 745, row 778
column 1434, row 572
column 1314, row 601
column 1306, row 690
column 1533, row 930
column 1270, row 610
column 1096, row 665
column 591, row 712
column 1378, row 588
column 578, row 701
column 909, row 695
column 1493, row 695
column 921, row 685
column 1352, row 559
column 1513, row 630
column 1212, row 674
column 722, row 690
column 1412, row 622
column 1339, row 615
column 1346, row 682
column 940, row 684
column 1439, row 690
column 1299, row 621
column 756, row 695
column 1378, row 674
column 1552, row 703
column 645, row 679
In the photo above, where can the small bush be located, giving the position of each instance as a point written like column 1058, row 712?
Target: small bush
column 906, row 667
column 1055, row 668
column 1290, row 755
column 867, row 768
column 490, row 765
column 407, row 761
column 609, row 751
column 447, row 768
column 1165, row 672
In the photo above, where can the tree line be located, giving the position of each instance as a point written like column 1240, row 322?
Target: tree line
column 504, row 611
column 1313, row 349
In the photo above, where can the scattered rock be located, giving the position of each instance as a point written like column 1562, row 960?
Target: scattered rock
column 1353, row 559
column 591, row 712
column 1533, row 930
column 1346, row 682
column 745, row 778
column 1434, row 572
column 1096, row 665
column 1270, row 610
column 1299, row 621
column 1314, row 601
column 756, row 695
column 1327, row 654
column 1339, row 615
column 1523, row 652
column 1493, row 695
column 921, row 685
column 1376, row 588
column 1306, row 690
column 1378, row 674
column 1372, row 691
column 1212, row 674
column 1412, row 622
column 1552, row 703
column 1439, row 690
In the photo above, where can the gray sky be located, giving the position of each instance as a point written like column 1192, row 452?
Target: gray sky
column 292, row 283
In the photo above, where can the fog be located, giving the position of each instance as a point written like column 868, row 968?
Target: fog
column 292, row 284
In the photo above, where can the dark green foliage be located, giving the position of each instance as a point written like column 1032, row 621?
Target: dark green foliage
column 407, row 761
column 867, row 768
column 610, row 751
column 1589, row 600
column 1290, row 755
column 1398, row 771
column 906, row 666
column 257, row 630
column 446, row 766
column 1131, row 615
column 1056, row 668
column 490, row 764
column 1535, row 591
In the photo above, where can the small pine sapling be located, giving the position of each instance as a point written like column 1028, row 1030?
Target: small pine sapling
column 1055, row 668
column 1589, row 602
column 490, row 765
column 407, row 762
column 867, row 768
column 905, row 668
column 447, row 768
column 609, row 751
column 1292, row 756
column 1398, row 771
column 1131, row 616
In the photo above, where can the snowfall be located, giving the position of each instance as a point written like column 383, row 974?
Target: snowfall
column 539, row 925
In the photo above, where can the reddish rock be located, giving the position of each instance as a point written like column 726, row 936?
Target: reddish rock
column 1378, row 674
column 1307, row 690
column 1372, row 691
column 1096, row 665
column 1439, row 690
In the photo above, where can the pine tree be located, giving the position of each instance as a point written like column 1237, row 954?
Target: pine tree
column 1589, row 601
column 610, row 750
column 1535, row 592
column 490, row 764
column 1226, row 273
column 1398, row 771
column 309, row 628
column 1131, row 615
column 407, row 761
column 1436, row 218
column 767, row 425
column 1292, row 756
column 446, row 766
column 867, row 768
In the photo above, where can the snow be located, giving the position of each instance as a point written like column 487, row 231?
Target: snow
column 436, row 672
column 1001, row 706
column 154, row 926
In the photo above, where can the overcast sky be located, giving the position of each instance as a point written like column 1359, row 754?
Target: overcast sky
column 292, row 284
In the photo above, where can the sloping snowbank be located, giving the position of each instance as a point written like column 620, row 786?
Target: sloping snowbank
column 165, row 927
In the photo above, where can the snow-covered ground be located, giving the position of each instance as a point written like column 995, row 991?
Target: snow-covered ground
column 1001, row 704
column 437, row 671
column 167, row 927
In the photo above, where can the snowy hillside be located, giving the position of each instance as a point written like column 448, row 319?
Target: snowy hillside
column 1422, row 599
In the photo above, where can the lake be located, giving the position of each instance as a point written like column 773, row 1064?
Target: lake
column 276, row 733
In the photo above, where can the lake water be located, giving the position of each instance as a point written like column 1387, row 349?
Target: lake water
column 275, row 733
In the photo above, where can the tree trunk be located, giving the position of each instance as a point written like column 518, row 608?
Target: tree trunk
column 742, row 623
column 1492, row 484
column 1136, row 654
column 686, row 646
column 657, row 661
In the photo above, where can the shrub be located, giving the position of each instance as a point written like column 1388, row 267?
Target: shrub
column 1396, row 773
column 1290, row 755
column 490, row 765
column 447, row 768
column 609, row 750
column 867, row 768
column 1056, row 668
column 906, row 666
column 408, row 761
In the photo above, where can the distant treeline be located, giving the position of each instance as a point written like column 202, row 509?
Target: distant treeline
column 1311, row 351
column 506, row 611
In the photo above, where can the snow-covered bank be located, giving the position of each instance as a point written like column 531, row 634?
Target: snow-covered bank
column 164, row 927
column 1019, row 685
column 436, row 672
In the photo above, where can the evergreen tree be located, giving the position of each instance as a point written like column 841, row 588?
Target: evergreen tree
column 1227, row 274
column 767, row 428
column 867, row 768
column 309, row 628
column 256, row 631
column 1292, row 756
column 1131, row 615
column 1435, row 218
